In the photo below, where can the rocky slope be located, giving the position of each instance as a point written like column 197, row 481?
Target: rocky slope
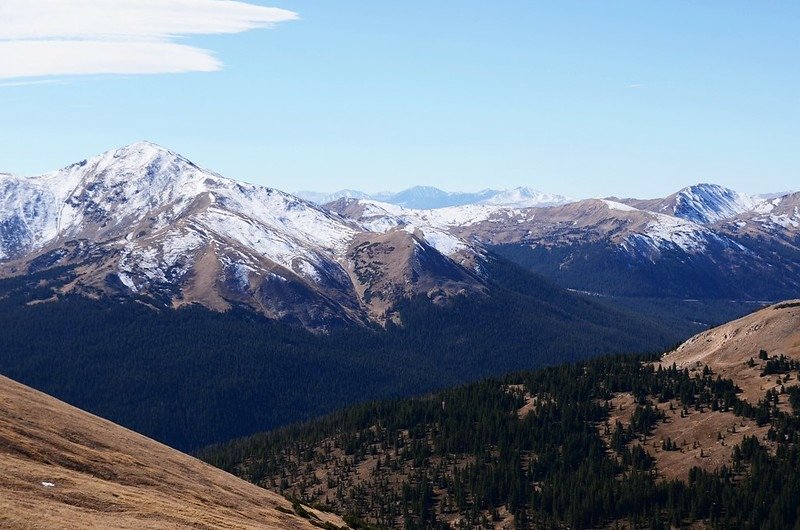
column 64, row 468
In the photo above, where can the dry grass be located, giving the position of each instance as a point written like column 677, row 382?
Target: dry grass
column 727, row 348
column 706, row 439
column 105, row 476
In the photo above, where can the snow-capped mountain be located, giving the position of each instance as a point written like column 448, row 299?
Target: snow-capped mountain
column 776, row 218
column 525, row 197
column 703, row 241
column 641, row 231
column 145, row 221
column 324, row 198
column 428, row 197
column 702, row 203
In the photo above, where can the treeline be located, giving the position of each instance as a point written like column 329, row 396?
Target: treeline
column 191, row 377
column 464, row 458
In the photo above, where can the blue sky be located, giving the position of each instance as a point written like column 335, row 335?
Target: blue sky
column 580, row 98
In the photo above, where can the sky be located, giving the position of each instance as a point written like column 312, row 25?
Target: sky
column 580, row 98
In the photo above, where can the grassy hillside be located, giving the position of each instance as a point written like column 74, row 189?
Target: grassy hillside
column 66, row 469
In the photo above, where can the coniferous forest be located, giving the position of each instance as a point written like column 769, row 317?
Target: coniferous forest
column 191, row 377
column 532, row 450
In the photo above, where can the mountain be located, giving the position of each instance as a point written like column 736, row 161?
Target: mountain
column 677, row 442
column 146, row 222
column 423, row 197
column 324, row 198
column 524, row 197
column 143, row 288
column 65, row 468
column 773, row 195
column 702, row 204
column 703, row 242
column 428, row 197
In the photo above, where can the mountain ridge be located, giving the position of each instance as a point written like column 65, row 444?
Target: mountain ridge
column 706, row 241
column 144, row 221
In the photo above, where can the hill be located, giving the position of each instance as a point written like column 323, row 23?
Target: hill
column 764, row 343
column 65, row 468
column 614, row 441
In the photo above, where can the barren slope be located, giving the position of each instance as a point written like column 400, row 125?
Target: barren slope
column 61, row 467
column 727, row 349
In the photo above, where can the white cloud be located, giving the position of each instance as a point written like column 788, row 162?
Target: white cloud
column 31, row 82
column 74, row 37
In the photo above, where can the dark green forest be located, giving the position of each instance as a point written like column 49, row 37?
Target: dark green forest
column 191, row 377
column 464, row 457
column 717, row 276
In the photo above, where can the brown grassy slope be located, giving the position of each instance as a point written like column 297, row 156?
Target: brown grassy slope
column 706, row 438
column 727, row 348
column 105, row 476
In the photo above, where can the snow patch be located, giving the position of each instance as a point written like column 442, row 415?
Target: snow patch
column 444, row 243
column 618, row 206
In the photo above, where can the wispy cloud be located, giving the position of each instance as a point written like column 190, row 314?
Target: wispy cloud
column 32, row 82
column 635, row 85
column 77, row 37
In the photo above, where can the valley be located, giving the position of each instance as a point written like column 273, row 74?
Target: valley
column 303, row 265
column 197, row 310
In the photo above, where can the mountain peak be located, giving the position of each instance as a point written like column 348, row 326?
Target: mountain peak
column 143, row 151
column 706, row 203
column 145, row 144
column 706, row 187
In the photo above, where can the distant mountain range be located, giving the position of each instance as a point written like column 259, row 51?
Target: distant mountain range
column 428, row 197
column 704, row 241
column 143, row 221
